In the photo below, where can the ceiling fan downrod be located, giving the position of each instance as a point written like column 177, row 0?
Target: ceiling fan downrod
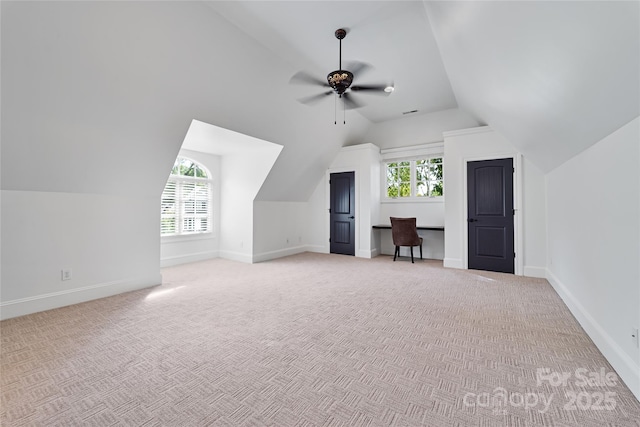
column 340, row 34
column 340, row 79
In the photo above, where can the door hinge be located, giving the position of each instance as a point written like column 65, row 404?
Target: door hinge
column 329, row 239
column 514, row 254
column 513, row 211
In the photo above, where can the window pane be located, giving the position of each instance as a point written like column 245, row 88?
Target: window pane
column 437, row 189
column 438, row 171
column 200, row 173
column 422, row 172
column 405, row 174
column 188, row 225
column 168, row 225
column 422, row 189
column 405, row 189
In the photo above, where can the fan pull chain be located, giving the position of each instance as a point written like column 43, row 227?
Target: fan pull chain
column 335, row 110
column 344, row 112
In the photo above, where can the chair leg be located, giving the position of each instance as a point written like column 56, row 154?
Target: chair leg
column 395, row 253
column 411, row 254
column 421, row 251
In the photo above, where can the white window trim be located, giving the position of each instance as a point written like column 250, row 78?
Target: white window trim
column 411, row 154
column 197, row 235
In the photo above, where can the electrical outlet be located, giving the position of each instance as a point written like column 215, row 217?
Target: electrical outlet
column 634, row 336
column 65, row 274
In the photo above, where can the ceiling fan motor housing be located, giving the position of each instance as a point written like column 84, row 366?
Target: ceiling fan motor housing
column 340, row 80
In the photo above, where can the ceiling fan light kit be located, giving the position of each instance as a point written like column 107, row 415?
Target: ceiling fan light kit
column 340, row 81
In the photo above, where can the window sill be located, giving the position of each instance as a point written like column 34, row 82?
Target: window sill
column 187, row 237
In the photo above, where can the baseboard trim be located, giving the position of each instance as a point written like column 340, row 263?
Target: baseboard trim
column 35, row 304
column 531, row 271
column 185, row 259
column 266, row 256
column 452, row 263
column 625, row 367
column 236, row 256
column 318, row 249
column 367, row 253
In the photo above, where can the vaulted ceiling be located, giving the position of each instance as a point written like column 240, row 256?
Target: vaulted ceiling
column 90, row 85
column 552, row 77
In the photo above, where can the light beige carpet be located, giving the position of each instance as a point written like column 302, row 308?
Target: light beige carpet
column 312, row 340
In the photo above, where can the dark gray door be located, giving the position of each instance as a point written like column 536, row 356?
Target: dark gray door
column 342, row 213
column 490, row 215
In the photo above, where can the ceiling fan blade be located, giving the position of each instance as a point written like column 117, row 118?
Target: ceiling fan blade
column 373, row 89
column 302, row 77
column 349, row 102
column 314, row 99
column 358, row 68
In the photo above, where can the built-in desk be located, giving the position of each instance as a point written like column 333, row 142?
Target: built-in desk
column 433, row 237
column 419, row 227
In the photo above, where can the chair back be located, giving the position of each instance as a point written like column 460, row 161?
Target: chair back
column 404, row 232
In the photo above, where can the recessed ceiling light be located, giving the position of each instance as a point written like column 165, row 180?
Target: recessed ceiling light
column 389, row 89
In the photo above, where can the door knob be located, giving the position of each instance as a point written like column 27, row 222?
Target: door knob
column 351, row 217
column 472, row 220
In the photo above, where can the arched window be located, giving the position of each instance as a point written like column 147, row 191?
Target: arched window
column 186, row 200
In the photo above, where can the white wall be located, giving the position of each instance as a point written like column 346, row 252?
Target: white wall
column 182, row 249
column 418, row 129
column 109, row 242
column 318, row 219
column 242, row 175
column 279, row 229
column 534, row 209
column 594, row 244
column 480, row 144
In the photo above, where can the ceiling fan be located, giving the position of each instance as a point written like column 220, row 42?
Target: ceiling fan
column 339, row 81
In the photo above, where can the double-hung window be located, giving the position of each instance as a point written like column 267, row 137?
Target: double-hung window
column 414, row 179
column 186, row 206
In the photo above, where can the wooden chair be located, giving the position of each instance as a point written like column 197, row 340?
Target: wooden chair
column 405, row 233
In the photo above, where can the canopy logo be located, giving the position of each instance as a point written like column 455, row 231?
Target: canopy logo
column 500, row 398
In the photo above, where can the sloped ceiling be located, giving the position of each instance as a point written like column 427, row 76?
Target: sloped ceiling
column 552, row 77
column 393, row 37
column 94, row 88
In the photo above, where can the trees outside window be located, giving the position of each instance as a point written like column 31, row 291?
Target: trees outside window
column 429, row 177
column 414, row 178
